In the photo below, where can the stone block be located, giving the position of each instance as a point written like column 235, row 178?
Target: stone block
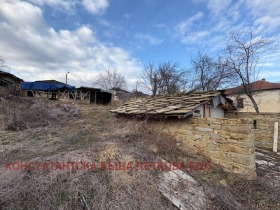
column 224, row 134
column 215, row 161
column 212, row 121
column 199, row 144
column 191, row 150
column 226, row 165
column 241, row 143
column 237, row 149
column 214, row 136
column 201, row 120
column 204, row 129
column 201, row 150
column 237, row 129
column 216, row 126
column 212, row 147
column 241, row 137
column 217, row 155
column 241, row 159
column 197, row 137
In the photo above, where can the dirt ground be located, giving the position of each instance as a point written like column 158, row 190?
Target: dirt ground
column 71, row 132
column 268, row 166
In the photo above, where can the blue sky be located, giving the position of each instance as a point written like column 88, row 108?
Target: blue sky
column 44, row 39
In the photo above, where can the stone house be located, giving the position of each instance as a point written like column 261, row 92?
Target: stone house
column 266, row 94
column 197, row 122
column 9, row 84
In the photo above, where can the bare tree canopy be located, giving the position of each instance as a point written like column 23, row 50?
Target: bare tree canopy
column 246, row 51
column 109, row 79
column 166, row 78
column 2, row 63
column 210, row 74
column 150, row 79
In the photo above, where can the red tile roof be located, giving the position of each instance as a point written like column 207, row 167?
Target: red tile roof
column 260, row 85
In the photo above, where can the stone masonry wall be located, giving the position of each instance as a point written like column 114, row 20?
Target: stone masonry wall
column 264, row 127
column 227, row 142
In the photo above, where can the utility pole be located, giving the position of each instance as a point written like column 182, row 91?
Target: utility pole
column 66, row 77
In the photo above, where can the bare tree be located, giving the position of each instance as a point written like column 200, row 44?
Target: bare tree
column 2, row 63
column 110, row 78
column 166, row 78
column 210, row 74
column 171, row 79
column 150, row 78
column 246, row 51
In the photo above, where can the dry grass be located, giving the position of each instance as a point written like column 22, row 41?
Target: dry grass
column 84, row 139
column 98, row 136
column 21, row 113
column 94, row 189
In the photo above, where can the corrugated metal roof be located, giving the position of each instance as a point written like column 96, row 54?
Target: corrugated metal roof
column 170, row 105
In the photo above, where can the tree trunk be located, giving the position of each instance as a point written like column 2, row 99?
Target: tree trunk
column 248, row 92
column 254, row 103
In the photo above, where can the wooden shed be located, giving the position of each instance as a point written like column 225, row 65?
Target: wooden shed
column 93, row 95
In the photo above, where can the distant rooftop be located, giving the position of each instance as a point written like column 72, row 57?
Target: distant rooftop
column 7, row 74
column 260, row 85
column 88, row 88
column 119, row 89
column 51, row 81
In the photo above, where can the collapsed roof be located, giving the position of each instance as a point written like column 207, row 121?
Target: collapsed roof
column 173, row 105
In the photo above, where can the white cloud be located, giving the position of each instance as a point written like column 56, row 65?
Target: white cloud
column 160, row 26
column 208, row 31
column 105, row 23
column 95, row 7
column 37, row 51
column 260, row 7
column 194, row 37
column 266, row 20
column 189, row 30
column 147, row 37
column 266, row 13
column 187, row 24
column 127, row 15
column 218, row 6
column 67, row 5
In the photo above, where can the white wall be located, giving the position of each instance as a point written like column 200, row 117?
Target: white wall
column 201, row 108
column 268, row 101
column 217, row 112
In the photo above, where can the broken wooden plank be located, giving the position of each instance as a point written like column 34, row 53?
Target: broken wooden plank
column 182, row 190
